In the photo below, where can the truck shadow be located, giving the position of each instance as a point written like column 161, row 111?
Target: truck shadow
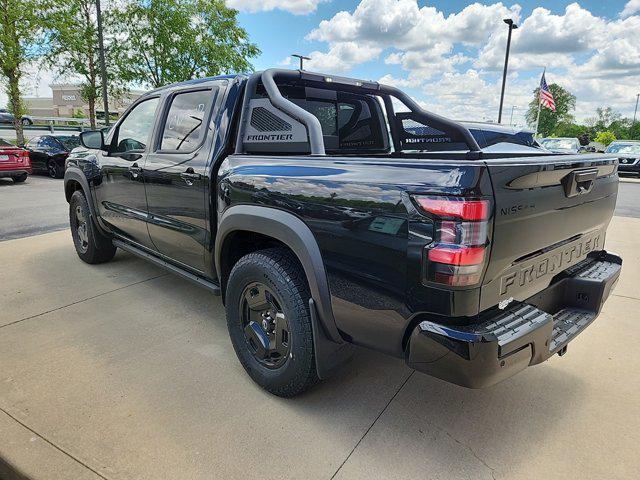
column 151, row 367
column 427, row 421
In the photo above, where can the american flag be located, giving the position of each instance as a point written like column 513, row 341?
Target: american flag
column 546, row 98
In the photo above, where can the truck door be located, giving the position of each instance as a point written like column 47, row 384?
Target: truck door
column 120, row 195
column 175, row 176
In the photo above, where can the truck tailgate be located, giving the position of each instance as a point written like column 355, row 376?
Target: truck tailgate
column 550, row 213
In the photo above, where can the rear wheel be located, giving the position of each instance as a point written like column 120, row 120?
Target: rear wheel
column 26, row 122
column 269, row 323
column 91, row 245
column 53, row 169
column 19, row 178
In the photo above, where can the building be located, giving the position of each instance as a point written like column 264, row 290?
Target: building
column 66, row 99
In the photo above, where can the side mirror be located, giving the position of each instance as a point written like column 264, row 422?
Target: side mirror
column 93, row 139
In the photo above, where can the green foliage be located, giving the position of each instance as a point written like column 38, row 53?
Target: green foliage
column 77, row 113
column 549, row 120
column 175, row 40
column 20, row 42
column 605, row 137
column 604, row 127
column 605, row 116
column 74, row 47
column 565, row 129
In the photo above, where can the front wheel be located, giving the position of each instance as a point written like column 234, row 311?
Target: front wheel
column 20, row 178
column 269, row 323
column 91, row 245
column 26, row 122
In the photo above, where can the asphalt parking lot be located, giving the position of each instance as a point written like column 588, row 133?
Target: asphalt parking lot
column 122, row 371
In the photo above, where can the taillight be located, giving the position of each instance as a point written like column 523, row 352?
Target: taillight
column 457, row 255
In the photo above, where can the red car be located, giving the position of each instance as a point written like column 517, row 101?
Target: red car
column 14, row 162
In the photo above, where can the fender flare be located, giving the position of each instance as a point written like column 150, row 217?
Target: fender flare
column 74, row 174
column 295, row 234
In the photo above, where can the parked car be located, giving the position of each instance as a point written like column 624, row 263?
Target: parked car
column 7, row 117
column 561, row 144
column 324, row 219
column 14, row 162
column 49, row 152
column 628, row 152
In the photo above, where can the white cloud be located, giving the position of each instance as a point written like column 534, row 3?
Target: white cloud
column 342, row 56
column 459, row 57
column 297, row 7
column 545, row 39
column 632, row 7
column 285, row 62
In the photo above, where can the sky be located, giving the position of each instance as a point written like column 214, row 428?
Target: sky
column 449, row 54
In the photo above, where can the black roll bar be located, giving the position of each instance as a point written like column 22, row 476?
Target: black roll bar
column 268, row 78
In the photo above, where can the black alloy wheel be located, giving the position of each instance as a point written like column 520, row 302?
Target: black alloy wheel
column 81, row 229
column 91, row 245
column 265, row 326
column 269, row 321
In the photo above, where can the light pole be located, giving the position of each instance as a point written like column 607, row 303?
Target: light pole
column 512, row 26
column 301, row 57
column 636, row 110
column 103, row 66
column 513, row 107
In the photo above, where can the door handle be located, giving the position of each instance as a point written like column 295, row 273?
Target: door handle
column 135, row 170
column 190, row 176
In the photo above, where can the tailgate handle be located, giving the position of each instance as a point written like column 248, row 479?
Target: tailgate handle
column 579, row 182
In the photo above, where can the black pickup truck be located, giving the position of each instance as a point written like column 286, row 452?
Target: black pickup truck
column 330, row 212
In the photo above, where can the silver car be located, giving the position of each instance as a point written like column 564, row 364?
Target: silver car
column 628, row 152
column 561, row 144
column 7, row 117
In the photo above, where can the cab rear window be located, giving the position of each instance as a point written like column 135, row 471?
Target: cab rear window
column 350, row 123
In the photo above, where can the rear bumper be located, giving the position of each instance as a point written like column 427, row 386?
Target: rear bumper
column 504, row 342
column 14, row 173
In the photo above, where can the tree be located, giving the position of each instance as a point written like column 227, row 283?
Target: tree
column 570, row 130
column 19, row 44
column 565, row 104
column 74, row 51
column 605, row 138
column 605, row 116
column 174, row 40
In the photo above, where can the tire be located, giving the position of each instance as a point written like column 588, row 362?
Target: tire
column 53, row 169
column 279, row 271
column 26, row 122
column 20, row 178
column 91, row 245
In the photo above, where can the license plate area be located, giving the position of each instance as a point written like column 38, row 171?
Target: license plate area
column 4, row 158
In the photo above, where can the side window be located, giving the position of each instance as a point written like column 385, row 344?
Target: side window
column 133, row 132
column 359, row 123
column 184, row 128
column 326, row 113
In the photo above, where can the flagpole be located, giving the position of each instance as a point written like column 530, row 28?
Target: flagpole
column 539, row 105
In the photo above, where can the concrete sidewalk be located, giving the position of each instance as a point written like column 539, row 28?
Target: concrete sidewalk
column 122, row 371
